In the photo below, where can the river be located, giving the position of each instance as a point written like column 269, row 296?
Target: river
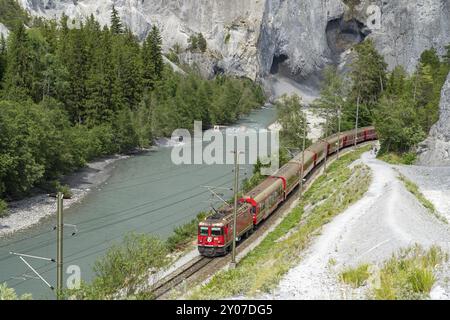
column 145, row 193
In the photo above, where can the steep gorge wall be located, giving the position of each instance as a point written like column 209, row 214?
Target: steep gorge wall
column 244, row 36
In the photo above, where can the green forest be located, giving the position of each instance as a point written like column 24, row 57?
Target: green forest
column 72, row 91
column 402, row 106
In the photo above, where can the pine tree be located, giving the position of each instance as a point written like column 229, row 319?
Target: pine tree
column 153, row 64
column 369, row 81
column 292, row 120
column 202, row 44
column 193, row 42
column 99, row 83
column 430, row 58
column 447, row 55
column 2, row 57
column 332, row 99
column 18, row 77
column 127, row 88
column 397, row 82
column 116, row 23
column 76, row 64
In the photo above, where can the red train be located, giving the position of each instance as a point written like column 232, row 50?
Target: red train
column 215, row 234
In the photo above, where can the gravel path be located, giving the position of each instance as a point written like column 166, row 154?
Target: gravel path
column 28, row 212
column 386, row 219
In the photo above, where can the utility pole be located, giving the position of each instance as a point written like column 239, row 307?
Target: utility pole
column 59, row 244
column 339, row 132
column 236, row 190
column 302, row 170
column 357, row 118
column 59, row 249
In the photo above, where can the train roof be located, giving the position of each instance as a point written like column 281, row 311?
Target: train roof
column 224, row 215
column 261, row 187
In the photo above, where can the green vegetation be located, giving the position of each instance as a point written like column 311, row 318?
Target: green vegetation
column 121, row 272
column 10, row 294
column 292, row 120
column 402, row 107
column 409, row 275
column 414, row 189
column 332, row 99
column 408, row 158
column 356, row 277
column 3, row 208
column 197, row 42
column 11, row 14
column 70, row 94
column 262, row 268
column 184, row 235
column 227, row 38
column 65, row 190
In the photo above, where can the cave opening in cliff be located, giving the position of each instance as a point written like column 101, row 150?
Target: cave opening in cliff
column 277, row 63
column 343, row 34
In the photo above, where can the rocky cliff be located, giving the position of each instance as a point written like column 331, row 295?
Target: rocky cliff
column 435, row 151
column 253, row 37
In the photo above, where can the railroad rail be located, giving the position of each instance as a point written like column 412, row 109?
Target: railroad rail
column 208, row 266
column 183, row 273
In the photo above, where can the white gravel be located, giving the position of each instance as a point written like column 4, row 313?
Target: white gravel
column 386, row 219
column 434, row 183
column 28, row 212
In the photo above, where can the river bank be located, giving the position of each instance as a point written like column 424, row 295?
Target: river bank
column 29, row 211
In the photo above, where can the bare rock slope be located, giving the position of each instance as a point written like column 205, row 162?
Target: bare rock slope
column 435, row 151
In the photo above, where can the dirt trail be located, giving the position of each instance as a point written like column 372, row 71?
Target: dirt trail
column 386, row 219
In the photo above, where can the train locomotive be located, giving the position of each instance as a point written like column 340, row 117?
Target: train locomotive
column 215, row 234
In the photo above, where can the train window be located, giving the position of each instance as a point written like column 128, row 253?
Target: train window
column 216, row 232
column 253, row 209
column 203, row 231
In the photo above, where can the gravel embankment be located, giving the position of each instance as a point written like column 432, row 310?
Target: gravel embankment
column 386, row 219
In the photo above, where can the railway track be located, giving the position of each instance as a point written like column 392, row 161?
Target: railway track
column 183, row 273
column 209, row 266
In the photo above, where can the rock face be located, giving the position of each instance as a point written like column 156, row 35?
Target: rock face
column 254, row 37
column 410, row 27
column 435, row 151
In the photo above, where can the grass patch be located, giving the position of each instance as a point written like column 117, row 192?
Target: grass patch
column 398, row 159
column 262, row 269
column 227, row 38
column 409, row 275
column 356, row 277
column 414, row 189
column 183, row 235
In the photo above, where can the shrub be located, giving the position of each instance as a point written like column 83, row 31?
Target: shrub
column 3, row 208
column 408, row 158
column 10, row 294
column 184, row 234
column 65, row 190
column 122, row 269
column 356, row 277
column 409, row 274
